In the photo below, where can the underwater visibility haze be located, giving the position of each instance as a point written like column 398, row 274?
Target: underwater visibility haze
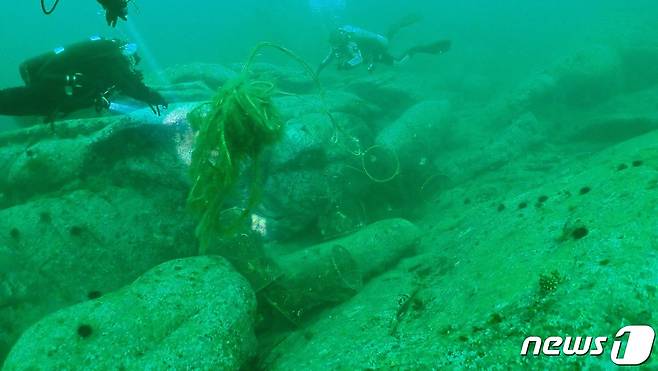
column 328, row 184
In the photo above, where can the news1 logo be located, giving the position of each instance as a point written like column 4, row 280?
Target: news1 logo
column 639, row 345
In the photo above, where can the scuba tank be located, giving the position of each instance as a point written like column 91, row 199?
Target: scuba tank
column 30, row 68
column 83, row 72
column 36, row 69
column 65, row 66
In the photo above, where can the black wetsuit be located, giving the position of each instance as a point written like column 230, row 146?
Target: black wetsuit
column 80, row 76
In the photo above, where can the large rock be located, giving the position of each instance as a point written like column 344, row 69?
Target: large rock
column 586, row 80
column 42, row 160
column 525, row 134
column 193, row 313
column 597, row 97
column 312, row 140
column 307, row 169
column 82, row 244
column 542, row 241
column 85, row 210
column 294, row 199
column 413, row 140
column 289, row 79
column 386, row 91
column 186, row 92
column 191, row 82
column 213, row 76
column 621, row 118
column 334, row 101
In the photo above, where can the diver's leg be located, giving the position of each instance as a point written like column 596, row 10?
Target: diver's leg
column 434, row 48
column 438, row 47
column 21, row 101
column 402, row 23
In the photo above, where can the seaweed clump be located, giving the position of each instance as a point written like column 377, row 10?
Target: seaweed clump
column 231, row 133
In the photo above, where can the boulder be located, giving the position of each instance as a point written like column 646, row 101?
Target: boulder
column 85, row 208
column 542, row 241
column 412, row 141
column 385, row 91
column 334, row 101
column 192, row 313
column 307, row 168
column 587, row 79
column 289, row 79
column 213, row 76
column 82, row 244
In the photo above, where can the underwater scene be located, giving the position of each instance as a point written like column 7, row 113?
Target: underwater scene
column 328, row 185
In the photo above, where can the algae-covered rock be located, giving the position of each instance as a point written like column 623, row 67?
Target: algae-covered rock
column 212, row 76
column 85, row 208
column 524, row 134
column 621, row 118
column 334, row 101
column 541, row 248
column 69, row 248
column 294, row 199
column 43, row 166
column 310, row 169
column 186, row 92
column 41, row 160
column 288, row 79
column 420, row 134
column 192, row 82
column 194, row 313
column 586, row 79
column 313, row 140
column 385, row 90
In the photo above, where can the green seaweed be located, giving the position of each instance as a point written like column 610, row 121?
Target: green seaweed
column 235, row 127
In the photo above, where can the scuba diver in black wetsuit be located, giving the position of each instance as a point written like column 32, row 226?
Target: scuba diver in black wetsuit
column 83, row 75
column 114, row 9
column 353, row 46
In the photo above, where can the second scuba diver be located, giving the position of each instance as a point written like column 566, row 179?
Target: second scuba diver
column 114, row 9
column 353, row 46
column 80, row 76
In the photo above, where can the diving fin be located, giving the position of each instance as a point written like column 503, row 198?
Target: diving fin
column 407, row 21
column 434, row 48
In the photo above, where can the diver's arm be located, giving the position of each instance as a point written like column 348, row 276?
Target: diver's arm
column 357, row 57
column 135, row 88
column 326, row 61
